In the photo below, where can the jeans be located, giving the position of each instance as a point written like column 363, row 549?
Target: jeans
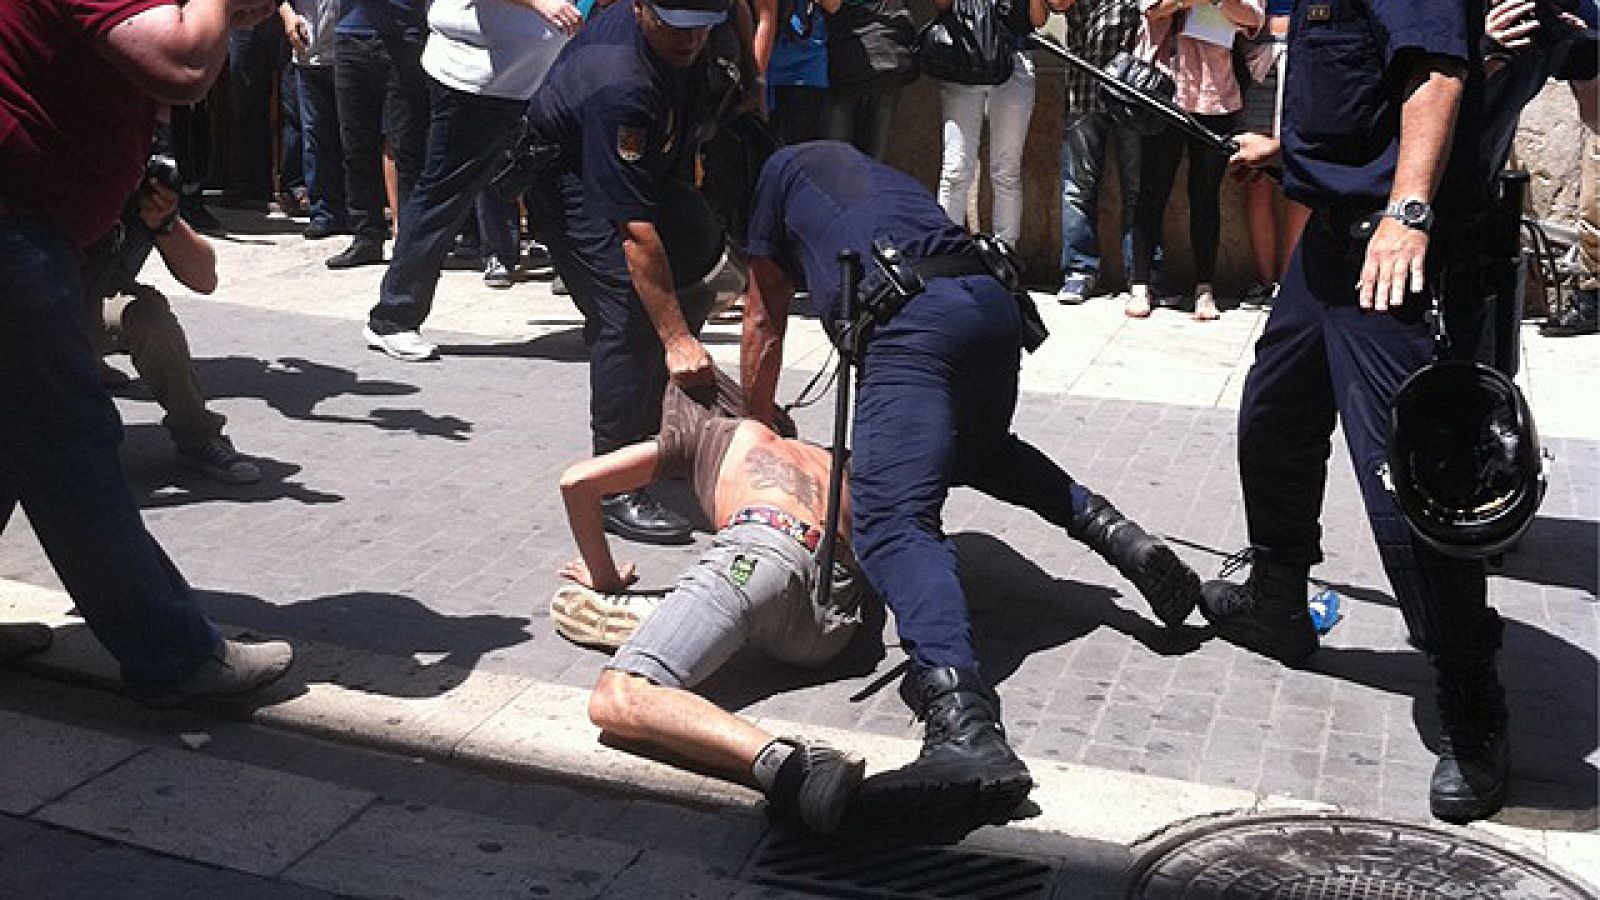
column 860, row 115
column 323, row 153
column 381, row 91
column 1320, row 358
column 253, row 55
column 1009, row 106
column 499, row 232
column 1083, row 153
column 58, row 456
column 627, row 364
column 291, row 162
column 938, row 387
column 1161, row 155
column 467, row 136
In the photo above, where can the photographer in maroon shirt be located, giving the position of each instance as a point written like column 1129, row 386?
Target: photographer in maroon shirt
column 80, row 85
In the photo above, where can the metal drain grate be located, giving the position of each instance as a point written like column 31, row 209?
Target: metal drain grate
column 896, row 873
column 1327, row 857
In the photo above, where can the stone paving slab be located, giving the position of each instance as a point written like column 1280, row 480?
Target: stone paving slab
column 46, row 760
column 187, row 804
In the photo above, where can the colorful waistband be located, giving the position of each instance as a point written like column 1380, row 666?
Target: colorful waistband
column 808, row 535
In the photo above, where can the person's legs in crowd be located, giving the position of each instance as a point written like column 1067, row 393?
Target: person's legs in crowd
column 1010, row 110
column 963, row 106
column 467, row 136
column 502, row 239
column 877, row 117
column 322, row 154
column 406, row 118
column 1082, row 154
column 18, row 639
column 294, row 198
column 59, row 434
column 142, row 325
column 187, row 137
column 1261, row 221
column 1581, row 315
column 1159, row 156
column 251, row 56
column 1206, row 168
column 360, row 77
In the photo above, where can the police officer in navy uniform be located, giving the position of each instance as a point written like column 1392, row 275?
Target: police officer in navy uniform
column 1381, row 139
column 938, row 386
column 623, row 105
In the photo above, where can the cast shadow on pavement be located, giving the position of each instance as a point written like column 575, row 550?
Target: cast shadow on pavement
column 295, row 387
column 159, row 481
column 1550, row 689
column 1556, row 552
column 1019, row 609
column 406, row 649
column 566, row 346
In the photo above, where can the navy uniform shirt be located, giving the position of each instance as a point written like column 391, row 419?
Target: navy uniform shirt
column 814, row 200
column 620, row 114
column 1342, row 99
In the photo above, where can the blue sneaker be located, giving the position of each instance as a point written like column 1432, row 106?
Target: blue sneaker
column 1075, row 289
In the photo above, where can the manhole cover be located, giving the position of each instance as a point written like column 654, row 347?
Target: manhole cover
column 1326, row 857
column 836, row 869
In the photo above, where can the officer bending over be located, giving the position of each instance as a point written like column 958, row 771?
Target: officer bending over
column 126, row 316
column 1382, row 95
column 623, row 106
column 754, row 586
column 938, row 385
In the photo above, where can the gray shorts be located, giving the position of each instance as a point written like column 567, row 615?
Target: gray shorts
column 753, row 587
column 1263, row 100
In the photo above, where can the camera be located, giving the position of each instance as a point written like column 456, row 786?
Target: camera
column 163, row 170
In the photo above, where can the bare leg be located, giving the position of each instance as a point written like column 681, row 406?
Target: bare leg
column 1258, row 215
column 1295, row 217
column 633, row 707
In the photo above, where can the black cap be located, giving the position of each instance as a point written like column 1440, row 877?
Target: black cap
column 690, row 13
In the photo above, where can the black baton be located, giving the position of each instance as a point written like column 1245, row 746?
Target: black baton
column 849, row 276
column 1161, row 106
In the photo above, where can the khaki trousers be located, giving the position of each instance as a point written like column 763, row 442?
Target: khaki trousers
column 140, row 323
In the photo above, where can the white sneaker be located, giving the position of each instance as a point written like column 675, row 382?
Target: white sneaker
column 407, row 346
column 593, row 619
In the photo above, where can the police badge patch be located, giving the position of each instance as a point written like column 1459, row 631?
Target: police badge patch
column 630, row 142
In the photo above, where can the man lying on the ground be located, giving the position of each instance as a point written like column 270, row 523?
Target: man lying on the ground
column 755, row 586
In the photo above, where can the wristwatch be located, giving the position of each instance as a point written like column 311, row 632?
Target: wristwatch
column 1413, row 212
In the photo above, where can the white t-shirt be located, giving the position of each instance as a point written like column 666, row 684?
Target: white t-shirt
column 491, row 47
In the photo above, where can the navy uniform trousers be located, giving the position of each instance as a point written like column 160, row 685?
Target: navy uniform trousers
column 1319, row 358
column 938, row 386
column 627, row 364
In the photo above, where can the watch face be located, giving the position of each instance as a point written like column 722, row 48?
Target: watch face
column 1415, row 211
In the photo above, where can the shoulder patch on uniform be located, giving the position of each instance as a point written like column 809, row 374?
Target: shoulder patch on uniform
column 741, row 569
column 630, row 142
column 1319, row 12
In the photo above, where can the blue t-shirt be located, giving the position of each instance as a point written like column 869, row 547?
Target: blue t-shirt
column 1342, row 97
column 800, row 52
column 622, row 116
column 814, row 200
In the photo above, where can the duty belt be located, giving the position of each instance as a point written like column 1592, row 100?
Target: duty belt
column 808, row 535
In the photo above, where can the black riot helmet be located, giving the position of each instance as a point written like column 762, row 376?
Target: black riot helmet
column 1464, row 458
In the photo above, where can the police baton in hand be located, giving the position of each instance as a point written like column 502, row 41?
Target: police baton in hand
column 1162, row 107
column 849, row 284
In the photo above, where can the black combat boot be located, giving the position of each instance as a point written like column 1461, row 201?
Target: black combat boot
column 1469, row 781
column 1171, row 587
column 1267, row 614
column 966, row 774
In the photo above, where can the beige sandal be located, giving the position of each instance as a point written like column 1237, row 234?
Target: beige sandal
column 1205, row 305
column 1138, row 305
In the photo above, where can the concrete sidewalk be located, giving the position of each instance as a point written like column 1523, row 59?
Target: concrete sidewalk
column 409, row 527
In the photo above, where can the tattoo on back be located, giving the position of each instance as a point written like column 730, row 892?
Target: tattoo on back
column 768, row 471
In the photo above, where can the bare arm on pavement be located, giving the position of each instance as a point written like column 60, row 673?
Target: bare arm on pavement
column 583, row 486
